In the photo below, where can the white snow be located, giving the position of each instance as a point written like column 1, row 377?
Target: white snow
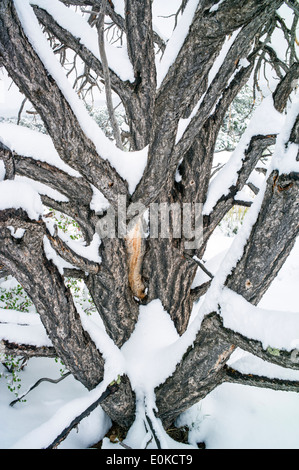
column 153, row 322
column 51, row 255
column 118, row 59
column 216, row 6
column 130, row 165
column 232, row 416
column 284, row 158
column 90, row 252
column 30, row 143
column 183, row 123
column 240, row 417
column 114, row 360
column 275, row 329
column 98, row 202
column 176, row 41
column 265, row 121
column 17, row 195
column 43, row 189
column 43, row 435
column 148, row 362
column 22, row 328
column 221, row 57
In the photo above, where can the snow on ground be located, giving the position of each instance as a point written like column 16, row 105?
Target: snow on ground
column 42, row 403
column 239, row 417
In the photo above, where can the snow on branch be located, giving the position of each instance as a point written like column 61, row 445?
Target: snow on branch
column 117, row 57
column 235, row 377
column 265, row 121
column 17, row 195
column 129, row 165
column 22, row 328
column 46, row 434
column 275, row 329
column 34, row 144
column 285, row 158
column 176, row 41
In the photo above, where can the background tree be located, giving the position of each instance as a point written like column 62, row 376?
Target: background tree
column 175, row 96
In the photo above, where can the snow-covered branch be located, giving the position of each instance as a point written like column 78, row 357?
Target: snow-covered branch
column 61, row 109
column 28, row 263
column 235, row 377
column 22, row 329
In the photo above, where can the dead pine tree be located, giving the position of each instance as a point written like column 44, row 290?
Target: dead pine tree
column 175, row 95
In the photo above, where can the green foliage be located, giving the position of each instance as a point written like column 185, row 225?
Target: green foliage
column 273, row 351
column 236, row 120
column 62, row 366
column 231, row 223
column 13, row 365
column 66, row 224
column 14, row 297
column 81, row 295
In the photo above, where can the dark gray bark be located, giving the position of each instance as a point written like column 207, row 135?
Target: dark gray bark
column 49, row 294
column 277, row 226
column 27, row 71
column 166, row 268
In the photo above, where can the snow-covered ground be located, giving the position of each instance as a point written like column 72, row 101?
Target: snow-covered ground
column 232, row 416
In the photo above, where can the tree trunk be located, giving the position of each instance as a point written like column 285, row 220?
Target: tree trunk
column 137, row 268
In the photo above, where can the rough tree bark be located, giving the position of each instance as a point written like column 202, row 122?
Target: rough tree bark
column 166, row 268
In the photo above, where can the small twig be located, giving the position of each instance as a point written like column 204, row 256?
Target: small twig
column 44, row 379
column 199, row 291
column 293, row 7
column 235, row 377
column 153, row 431
column 125, row 446
column 100, row 27
column 63, row 435
column 239, row 202
column 200, row 264
column 21, row 110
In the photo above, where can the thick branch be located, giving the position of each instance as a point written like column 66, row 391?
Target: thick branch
column 4, row 272
column 201, row 368
column 276, row 226
column 199, row 372
column 273, row 355
column 26, row 260
column 77, row 190
column 28, row 72
column 198, row 160
column 285, row 87
column 8, row 159
column 66, row 38
column 72, row 257
column 253, row 153
column 26, row 350
column 188, row 77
